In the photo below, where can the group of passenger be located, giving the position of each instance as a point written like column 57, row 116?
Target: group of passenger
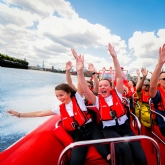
column 106, row 96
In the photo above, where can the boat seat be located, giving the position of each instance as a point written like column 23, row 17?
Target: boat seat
column 93, row 157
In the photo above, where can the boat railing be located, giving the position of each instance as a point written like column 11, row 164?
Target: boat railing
column 152, row 121
column 126, row 102
column 112, row 142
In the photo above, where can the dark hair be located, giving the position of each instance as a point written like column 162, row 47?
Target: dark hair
column 161, row 72
column 134, row 84
column 90, row 82
column 66, row 88
column 108, row 81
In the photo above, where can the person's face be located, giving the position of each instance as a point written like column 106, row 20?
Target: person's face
column 146, row 86
column 63, row 96
column 89, row 85
column 162, row 80
column 104, row 88
column 130, row 83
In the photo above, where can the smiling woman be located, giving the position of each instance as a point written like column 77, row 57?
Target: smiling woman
column 112, row 113
column 76, row 119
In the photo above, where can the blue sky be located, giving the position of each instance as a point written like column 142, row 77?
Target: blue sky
column 123, row 17
column 47, row 30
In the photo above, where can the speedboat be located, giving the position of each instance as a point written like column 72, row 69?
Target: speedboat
column 50, row 144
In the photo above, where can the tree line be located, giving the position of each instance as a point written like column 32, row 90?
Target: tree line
column 13, row 59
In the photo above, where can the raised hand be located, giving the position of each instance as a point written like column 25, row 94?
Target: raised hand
column 137, row 72
column 103, row 69
column 110, row 69
column 74, row 53
column 91, row 67
column 68, row 66
column 13, row 113
column 144, row 71
column 79, row 63
column 112, row 50
column 162, row 54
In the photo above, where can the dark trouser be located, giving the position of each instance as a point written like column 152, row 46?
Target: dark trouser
column 89, row 131
column 162, row 130
column 126, row 152
column 131, row 105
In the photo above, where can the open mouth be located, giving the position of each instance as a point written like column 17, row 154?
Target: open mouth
column 103, row 92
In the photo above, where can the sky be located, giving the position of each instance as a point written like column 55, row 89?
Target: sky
column 46, row 30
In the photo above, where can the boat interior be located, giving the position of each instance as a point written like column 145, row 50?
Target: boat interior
column 50, row 144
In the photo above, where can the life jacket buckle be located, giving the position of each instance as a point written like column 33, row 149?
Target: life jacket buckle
column 73, row 124
column 112, row 114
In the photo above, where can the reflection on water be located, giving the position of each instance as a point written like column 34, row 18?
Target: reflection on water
column 25, row 91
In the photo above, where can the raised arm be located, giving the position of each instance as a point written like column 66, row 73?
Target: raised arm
column 32, row 114
column 79, row 67
column 139, row 84
column 138, row 78
column 118, row 72
column 102, row 74
column 112, row 75
column 68, row 67
column 92, row 69
column 79, row 89
column 155, row 74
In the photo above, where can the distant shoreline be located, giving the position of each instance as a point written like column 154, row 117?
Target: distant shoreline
column 9, row 64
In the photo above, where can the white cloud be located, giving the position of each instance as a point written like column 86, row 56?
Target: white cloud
column 46, row 30
column 13, row 15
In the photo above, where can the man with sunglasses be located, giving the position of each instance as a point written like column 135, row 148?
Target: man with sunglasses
column 158, row 93
column 142, row 92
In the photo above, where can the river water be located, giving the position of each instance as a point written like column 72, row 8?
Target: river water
column 25, row 91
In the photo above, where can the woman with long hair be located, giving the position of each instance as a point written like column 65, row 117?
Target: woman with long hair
column 76, row 120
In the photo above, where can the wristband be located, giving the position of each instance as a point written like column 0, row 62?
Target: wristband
column 93, row 73
column 19, row 114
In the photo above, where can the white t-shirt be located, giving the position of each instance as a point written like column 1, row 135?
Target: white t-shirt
column 109, row 101
column 69, row 106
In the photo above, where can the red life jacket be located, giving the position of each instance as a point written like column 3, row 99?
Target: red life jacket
column 161, row 105
column 105, row 109
column 80, row 117
column 144, row 97
column 130, row 93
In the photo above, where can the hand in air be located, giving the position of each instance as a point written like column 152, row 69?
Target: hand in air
column 137, row 72
column 91, row 67
column 13, row 113
column 144, row 71
column 112, row 50
column 68, row 66
column 110, row 69
column 162, row 54
column 103, row 69
column 74, row 53
column 80, row 63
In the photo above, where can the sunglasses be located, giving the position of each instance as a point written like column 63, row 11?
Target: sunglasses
column 146, row 85
column 161, row 78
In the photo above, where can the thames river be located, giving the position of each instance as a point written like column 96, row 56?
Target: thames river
column 25, row 91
